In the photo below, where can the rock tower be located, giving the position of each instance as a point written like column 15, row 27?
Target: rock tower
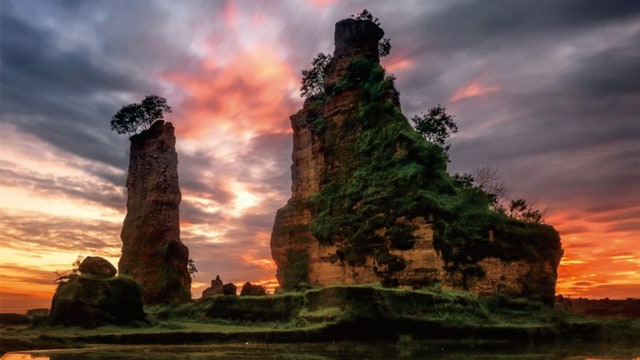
column 372, row 202
column 152, row 252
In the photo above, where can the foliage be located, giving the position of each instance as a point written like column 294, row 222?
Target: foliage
column 365, row 15
column 65, row 276
column 191, row 268
column 296, row 270
column 313, row 79
column 487, row 181
column 132, row 118
column 436, row 126
column 384, row 45
column 520, row 209
column 386, row 160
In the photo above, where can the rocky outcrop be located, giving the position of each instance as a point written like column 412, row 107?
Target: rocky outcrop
column 216, row 288
column 230, row 289
column 97, row 266
column 372, row 202
column 252, row 290
column 90, row 301
column 152, row 252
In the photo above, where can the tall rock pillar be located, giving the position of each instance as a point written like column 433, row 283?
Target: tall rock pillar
column 152, row 252
column 372, row 202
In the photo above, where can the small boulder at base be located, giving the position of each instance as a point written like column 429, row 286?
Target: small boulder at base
column 254, row 290
column 230, row 289
column 88, row 302
column 215, row 289
column 97, row 266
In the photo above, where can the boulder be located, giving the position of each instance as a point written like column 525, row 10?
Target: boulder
column 252, row 290
column 230, row 289
column 97, row 266
column 88, row 301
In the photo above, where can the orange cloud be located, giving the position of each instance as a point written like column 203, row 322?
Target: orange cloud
column 398, row 64
column 601, row 258
column 250, row 94
column 475, row 88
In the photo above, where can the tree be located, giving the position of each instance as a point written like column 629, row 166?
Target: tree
column 313, row 79
column 64, row 276
column 384, row 46
column 191, row 268
column 490, row 181
column 486, row 180
column 132, row 118
column 519, row 209
column 435, row 125
column 365, row 15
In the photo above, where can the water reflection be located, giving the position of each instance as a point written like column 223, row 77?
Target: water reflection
column 334, row 351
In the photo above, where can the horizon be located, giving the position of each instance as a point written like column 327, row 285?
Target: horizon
column 550, row 102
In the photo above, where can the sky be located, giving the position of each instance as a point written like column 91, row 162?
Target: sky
column 545, row 92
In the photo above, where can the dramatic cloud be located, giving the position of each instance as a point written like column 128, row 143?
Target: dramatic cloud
column 545, row 92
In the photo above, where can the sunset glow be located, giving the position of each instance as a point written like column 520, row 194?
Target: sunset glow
column 554, row 110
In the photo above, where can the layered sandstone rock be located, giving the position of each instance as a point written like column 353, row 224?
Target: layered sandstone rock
column 371, row 200
column 152, row 252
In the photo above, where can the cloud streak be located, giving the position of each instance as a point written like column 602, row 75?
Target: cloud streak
column 545, row 92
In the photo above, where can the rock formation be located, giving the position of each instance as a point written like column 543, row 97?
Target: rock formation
column 230, row 289
column 372, row 202
column 252, row 290
column 216, row 288
column 90, row 301
column 97, row 266
column 152, row 252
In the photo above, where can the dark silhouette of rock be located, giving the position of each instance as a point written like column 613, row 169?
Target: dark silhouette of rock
column 372, row 202
column 38, row 313
column 152, row 252
column 216, row 288
column 252, row 290
column 97, row 266
column 230, row 289
column 14, row 319
column 89, row 301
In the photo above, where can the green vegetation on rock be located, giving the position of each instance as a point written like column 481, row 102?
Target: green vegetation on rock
column 386, row 174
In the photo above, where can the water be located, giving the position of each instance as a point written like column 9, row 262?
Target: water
column 337, row 351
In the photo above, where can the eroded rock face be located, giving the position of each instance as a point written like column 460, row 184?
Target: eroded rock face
column 152, row 252
column 97, row 266
column 372, row 202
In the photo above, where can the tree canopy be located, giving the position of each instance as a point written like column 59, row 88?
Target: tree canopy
column 134, row 118
column 313, row 79
column 436, row 126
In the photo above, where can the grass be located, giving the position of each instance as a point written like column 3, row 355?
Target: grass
column 367, row 312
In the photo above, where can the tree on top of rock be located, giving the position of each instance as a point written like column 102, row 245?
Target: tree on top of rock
column 384, row 46
column 134, row 118
column 313, row 79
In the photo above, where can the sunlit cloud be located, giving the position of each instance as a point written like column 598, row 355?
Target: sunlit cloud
column 596, row 257
column 474, row 88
